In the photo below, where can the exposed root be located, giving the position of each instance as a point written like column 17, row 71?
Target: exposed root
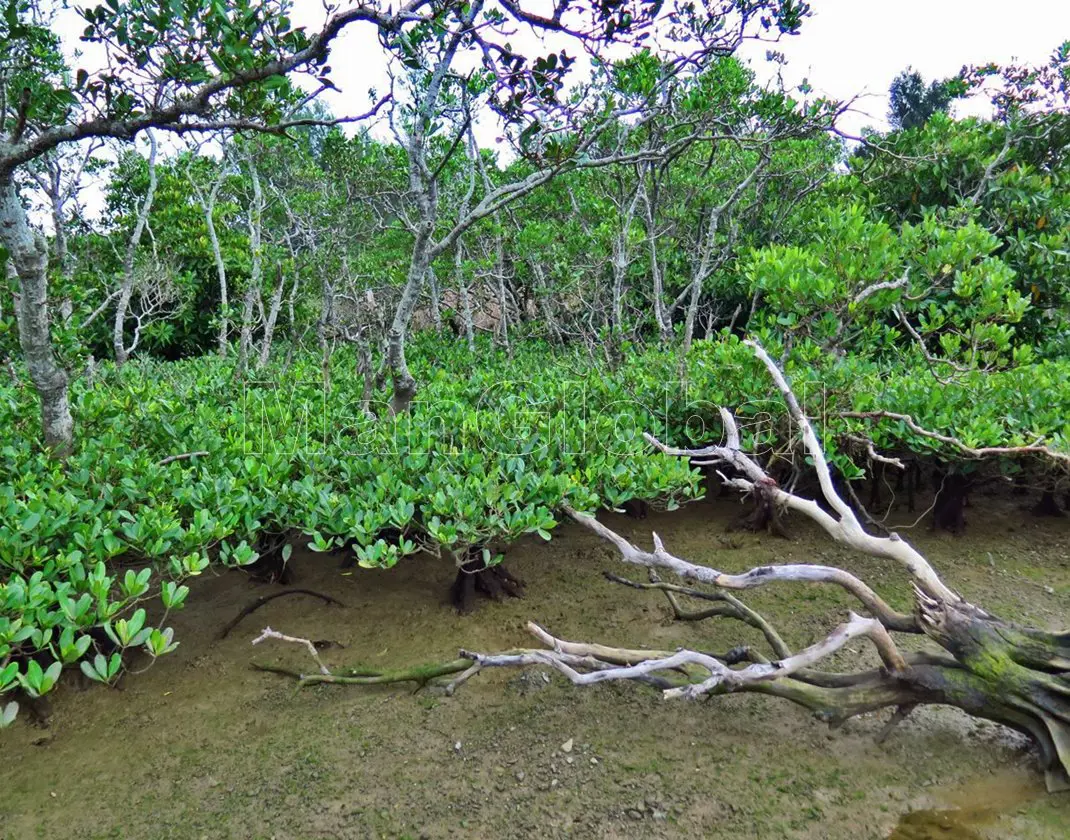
column 273, row 565
column 765, row 517
column 495, row 582
column 635, row 508
column 951, row 493
column 900, row 714
column 1047, row 506
column 266, row 599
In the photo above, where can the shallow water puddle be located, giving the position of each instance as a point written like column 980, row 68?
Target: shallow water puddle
column 955, row 824
column 978, row 804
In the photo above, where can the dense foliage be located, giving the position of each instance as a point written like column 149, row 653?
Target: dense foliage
column 586, row 280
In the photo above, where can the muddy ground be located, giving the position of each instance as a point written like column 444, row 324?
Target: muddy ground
column 201, row 745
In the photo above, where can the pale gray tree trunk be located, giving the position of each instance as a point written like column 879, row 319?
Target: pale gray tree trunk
column 272, row 317
column 707, row 263
column 208, row 205
column 503, row 298
column 61, row 191
column 256, row 266
column 622, row 259
column 28, row 252
column 542, row 295
column 126, row 290
column 324, row 328
column 423, row 182
column 404, row 383
column 436, row 302
column 59, row 239
column 662, row 316
column 466, row 302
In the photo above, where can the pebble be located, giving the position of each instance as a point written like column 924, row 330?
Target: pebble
column 594, row 761
column 520, row 775
column 567, row 746
column 1049, row 590
column 457, row 746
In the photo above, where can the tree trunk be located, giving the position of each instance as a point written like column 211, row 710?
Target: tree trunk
column 323, row 330
column 246, row 340
column 221, row 270
column 404, row 383
column 256, row 268
column 466, row 302
column 272, row 318
column 29, row 256
column 436, row 304
column 503, row 299
column 661, row 316
column 542, row 296
column 620, row 268
column 59, row 227
column 126, row 290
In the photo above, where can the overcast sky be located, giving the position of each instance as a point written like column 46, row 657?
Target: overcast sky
column 850, row 47
column 847, row 47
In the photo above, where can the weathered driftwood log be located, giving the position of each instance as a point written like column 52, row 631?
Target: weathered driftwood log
column 988, row 667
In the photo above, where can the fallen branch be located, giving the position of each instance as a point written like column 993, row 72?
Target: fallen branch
column 421, row 674
column 268, row 633
column 266, row 599
column 759, row 576
column 730, row 607
column 1017, row 676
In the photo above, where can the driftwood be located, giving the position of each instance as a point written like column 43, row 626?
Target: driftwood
column 987, row 667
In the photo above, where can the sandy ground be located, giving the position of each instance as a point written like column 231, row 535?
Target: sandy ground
column 201, row 745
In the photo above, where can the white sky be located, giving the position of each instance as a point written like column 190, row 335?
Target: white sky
column 847, row 47
column 851, row 47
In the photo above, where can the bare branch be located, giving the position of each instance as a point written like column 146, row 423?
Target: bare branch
column 884, row 285
column 759, row 576
column 973, row 452
column 268, row 633
column 185, row 456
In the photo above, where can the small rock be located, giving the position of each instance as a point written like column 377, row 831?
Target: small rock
column 569, row 760
column 660, row 816
column 594, row 760
column 457, row 746
column 567, row 746
column 634, row 814
column 1049, row 590
column 553, row 783
column 520, row 775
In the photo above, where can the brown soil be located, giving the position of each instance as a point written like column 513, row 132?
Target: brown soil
column 203, row 746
